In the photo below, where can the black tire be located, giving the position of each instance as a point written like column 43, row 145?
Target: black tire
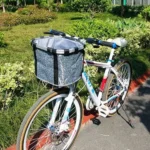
column 40, row 115
column 111, row 86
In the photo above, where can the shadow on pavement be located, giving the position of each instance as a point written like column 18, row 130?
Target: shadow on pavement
column 139, row 105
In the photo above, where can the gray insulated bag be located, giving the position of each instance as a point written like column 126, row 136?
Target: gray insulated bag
column 58, row 60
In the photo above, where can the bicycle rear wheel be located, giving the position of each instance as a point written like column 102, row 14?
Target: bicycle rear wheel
column 34, row 133
column 113, row 87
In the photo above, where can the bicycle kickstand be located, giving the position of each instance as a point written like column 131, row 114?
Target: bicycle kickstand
column 127, row 115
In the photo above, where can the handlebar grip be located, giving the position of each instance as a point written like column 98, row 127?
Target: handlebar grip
column 103, row 43
column 109, row 44
column 91, row 41
column 55, row 32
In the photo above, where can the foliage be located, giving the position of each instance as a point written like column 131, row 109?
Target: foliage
column 94, row 28
column 146, row 13
column 129, row 11
column 11, row 118
column 130, row 23
column 27, row 15
column 12, row 80
column 91, row 5
column 2, row 44
column 11, row 8
column 62, row 7
column 138, row 40
column 48, row 4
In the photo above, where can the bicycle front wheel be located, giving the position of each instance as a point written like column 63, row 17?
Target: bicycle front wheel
column 34, row 133
column 113, row 86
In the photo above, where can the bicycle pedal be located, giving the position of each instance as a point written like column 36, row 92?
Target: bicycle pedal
column 96, row 121
column 103, row 110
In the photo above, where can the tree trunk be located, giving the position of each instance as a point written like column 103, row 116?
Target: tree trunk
column 61, row 2
column 122, row 8
column 17, row 3
column 3, row 6
column 34, row 2
column 25, row 3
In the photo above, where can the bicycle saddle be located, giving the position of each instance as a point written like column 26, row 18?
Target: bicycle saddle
column 119, row 41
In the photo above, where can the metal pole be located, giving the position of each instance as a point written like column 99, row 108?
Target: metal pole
column 124, row 2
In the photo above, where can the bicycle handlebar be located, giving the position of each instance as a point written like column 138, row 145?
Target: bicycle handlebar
column 88, row 40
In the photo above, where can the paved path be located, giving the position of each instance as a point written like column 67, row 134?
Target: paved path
column 115, row 133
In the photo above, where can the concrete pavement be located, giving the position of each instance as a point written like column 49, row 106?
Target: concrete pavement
column 115, row 133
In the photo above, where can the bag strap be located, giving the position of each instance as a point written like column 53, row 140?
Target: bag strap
column 55, row 69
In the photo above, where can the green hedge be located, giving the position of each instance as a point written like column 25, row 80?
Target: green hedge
column 94, row 28
column 83, row 6
column 27, row 15
column 129, row 11
column 92, row 5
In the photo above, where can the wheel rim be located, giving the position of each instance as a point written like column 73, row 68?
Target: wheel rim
column 115, row 87
column 41, row 137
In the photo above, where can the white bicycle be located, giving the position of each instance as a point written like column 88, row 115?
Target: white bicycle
column 53, row 122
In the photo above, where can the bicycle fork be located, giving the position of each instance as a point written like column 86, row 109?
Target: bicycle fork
column 64, row 124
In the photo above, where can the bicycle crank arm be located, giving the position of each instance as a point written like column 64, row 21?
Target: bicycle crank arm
column 103, row 110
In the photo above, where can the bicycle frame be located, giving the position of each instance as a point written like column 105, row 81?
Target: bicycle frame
column 97, row 99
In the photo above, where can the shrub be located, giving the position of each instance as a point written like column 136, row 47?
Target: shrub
column 94, row 28
column 138, row 40
column 28, row 10
column 62, row 7
column 25, row 81
column 27, row 15
column 11, row 20
column 12, row 79
column 36, row 17
column 1, row 40
column 130, row 23
column 129, row 11
column 92, row 5
column 146, row 13
column 11, row 8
